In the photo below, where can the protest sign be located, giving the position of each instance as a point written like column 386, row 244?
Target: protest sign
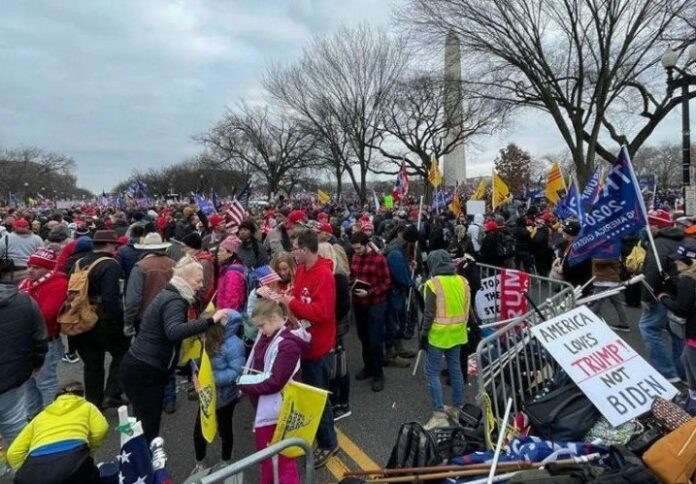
column 618, row 381
column 488, row 298
column 388, row 201
column 474, row 207
column 513, row 286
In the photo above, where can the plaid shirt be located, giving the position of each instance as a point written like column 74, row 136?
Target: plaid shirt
column 372, row 268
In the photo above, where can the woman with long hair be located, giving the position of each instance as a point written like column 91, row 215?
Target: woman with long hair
column 284, row 265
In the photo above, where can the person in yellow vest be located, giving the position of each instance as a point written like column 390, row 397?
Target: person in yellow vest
column 445, row 316
column 58, row 444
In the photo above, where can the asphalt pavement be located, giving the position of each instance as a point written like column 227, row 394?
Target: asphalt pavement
column 366, row 437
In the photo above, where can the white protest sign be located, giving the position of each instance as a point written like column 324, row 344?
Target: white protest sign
column 474, row 207
column 488, row 298
column 618, row 381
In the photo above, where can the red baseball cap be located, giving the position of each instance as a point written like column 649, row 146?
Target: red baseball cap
column 326, row 227
column 296, row 216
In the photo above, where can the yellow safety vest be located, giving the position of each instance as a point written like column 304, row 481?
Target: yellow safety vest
column 452, row 300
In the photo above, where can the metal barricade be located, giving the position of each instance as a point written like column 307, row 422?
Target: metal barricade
column 510, row 361
column 255, row 458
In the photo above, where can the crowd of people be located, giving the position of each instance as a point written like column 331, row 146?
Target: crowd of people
column 272, row 298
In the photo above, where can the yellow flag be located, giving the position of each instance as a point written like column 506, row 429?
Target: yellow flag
column 207, row 398
column 323, row 197
column 456, row 205
column 480, row 193
column 501, row 193
column 554, row 184
column 299, row 415
column 191, row 349
column 434, row 175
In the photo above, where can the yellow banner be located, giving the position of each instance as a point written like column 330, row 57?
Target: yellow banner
column 299, row 415
column 323, row 197
column 434, row 175
column 480, row 193
column 207, row 399
column 555, row 188
column 191, row 349
column 501, row 193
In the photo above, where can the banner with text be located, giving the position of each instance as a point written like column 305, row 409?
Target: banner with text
column 513, row 286
column 488, row 298
column 618, row 381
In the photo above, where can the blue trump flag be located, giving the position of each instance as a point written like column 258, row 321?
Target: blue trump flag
column 591, row 191
column 204, row 205
column 618, row 211
column 571, row 206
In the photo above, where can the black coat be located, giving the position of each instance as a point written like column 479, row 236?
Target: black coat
column 683, row 304
column 666, row 242
column 23, row 344
column 164, row 325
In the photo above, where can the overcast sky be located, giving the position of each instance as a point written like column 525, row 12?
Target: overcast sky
column 125, row 84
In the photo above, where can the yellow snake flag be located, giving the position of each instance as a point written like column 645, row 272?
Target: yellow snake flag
column 299, row 415
column 191, row 349
column 207, row 398
column 323, row 197
column 480, row 193
column 501, row 192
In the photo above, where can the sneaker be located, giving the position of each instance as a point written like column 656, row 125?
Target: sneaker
column 169, row 407
column 378, row 384
column 199, row 467
column 439, row 419
column 362, row 375
column 452, row 413
column 71, row 358
column 113, row 402
column 674, row 379
column 623, row 328
column 322, row 456
column 341, row 411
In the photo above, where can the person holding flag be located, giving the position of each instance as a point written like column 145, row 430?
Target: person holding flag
column 226, row 352
column 274, row 360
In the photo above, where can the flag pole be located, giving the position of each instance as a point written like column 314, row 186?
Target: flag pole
column 641, row 203
column 413, row 274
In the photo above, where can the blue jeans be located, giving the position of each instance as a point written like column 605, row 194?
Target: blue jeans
column 170, row 389
column 652, row 325
column 43, row 387
column 396, row 315
column 370, row 323
column 13, row 413
column 432, row 373
column 318, row 374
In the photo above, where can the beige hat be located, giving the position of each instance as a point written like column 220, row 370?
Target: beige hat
column 152, row 241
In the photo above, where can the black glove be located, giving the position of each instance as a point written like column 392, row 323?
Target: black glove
column 424, row 342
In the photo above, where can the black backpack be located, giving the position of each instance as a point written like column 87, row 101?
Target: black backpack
column 415, row 447
column 506, row 244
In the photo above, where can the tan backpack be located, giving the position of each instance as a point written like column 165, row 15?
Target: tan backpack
column 77, row 314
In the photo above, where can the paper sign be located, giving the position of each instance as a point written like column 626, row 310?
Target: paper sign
column 488, row 298
column 618, row 381
column 474, row 207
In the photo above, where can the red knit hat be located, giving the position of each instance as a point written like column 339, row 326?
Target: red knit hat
column 43, row 257
column 325, row 227
column 295, row 217
column 215, row 220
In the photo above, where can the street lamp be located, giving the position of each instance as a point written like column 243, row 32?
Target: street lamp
column 681, row 78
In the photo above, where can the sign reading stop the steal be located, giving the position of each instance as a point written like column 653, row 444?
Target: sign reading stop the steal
column 618, row 381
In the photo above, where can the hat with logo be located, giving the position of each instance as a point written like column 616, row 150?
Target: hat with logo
column 43, row 257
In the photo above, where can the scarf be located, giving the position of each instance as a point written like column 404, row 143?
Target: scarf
column 184, row 289
column 28, row 285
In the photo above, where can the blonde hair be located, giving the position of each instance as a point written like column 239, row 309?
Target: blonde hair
column 686, row 270
column 186, row 266
column 288, row 259
column 265, row 308
column 326, row 251
column 341, row 258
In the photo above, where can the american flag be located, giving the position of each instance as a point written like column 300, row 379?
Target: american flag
column 266, row 275
column 236, row 213
column 401, row 186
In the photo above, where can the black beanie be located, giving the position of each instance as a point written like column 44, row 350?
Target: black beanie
column 193, row 240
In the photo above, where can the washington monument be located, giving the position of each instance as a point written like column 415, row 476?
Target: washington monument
column 455, row 162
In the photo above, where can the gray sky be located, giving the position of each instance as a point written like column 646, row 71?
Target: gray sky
column 124, row 85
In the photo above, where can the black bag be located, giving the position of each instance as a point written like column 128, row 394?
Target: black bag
column 563, row 415
column 625, row 467
column 457, row 441
column 505, row 247
column 6, row 264
column 415, row 447
column 642, row 442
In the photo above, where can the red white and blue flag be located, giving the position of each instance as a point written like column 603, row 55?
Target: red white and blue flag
column 401, row 186
column 266, row 275
column 236, row 214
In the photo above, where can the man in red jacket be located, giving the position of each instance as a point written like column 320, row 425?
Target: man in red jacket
column 49, row 288
column 313, row 302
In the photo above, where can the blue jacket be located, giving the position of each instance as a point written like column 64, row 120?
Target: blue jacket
column 229, row 362
column 398, row 265
column 128, row 256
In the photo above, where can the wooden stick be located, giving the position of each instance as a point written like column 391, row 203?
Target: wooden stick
column 514, row 465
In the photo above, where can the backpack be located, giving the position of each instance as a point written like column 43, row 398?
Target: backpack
column 78, row 315
column 414, row 447
column 505, row 247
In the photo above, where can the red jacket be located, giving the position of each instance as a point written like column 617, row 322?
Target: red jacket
column 68, row 250
column 50, row 295
column 314, row 293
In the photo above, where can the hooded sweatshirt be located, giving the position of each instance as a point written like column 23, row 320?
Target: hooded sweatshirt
column 314, row 299
column 67, row 423
column 22, row 337
column 474, row 231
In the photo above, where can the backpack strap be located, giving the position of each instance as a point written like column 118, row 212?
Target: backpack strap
column 92, row 265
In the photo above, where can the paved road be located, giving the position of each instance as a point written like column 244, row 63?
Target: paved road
column 366, row 437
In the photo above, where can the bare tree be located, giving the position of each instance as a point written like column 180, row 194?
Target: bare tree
column 340, row 86
column 663, row 161
column 592, row 65
column 272, row 145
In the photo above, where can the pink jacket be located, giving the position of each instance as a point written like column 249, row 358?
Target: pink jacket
column 231, row 287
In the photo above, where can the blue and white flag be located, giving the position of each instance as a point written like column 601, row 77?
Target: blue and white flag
column 217, row 203
column 570, row 206
column 376, row 200
column 245, row 195
column 618, row 211
column 441, row 200
column 534, row 194
column 592, row 188
column 204, row 205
